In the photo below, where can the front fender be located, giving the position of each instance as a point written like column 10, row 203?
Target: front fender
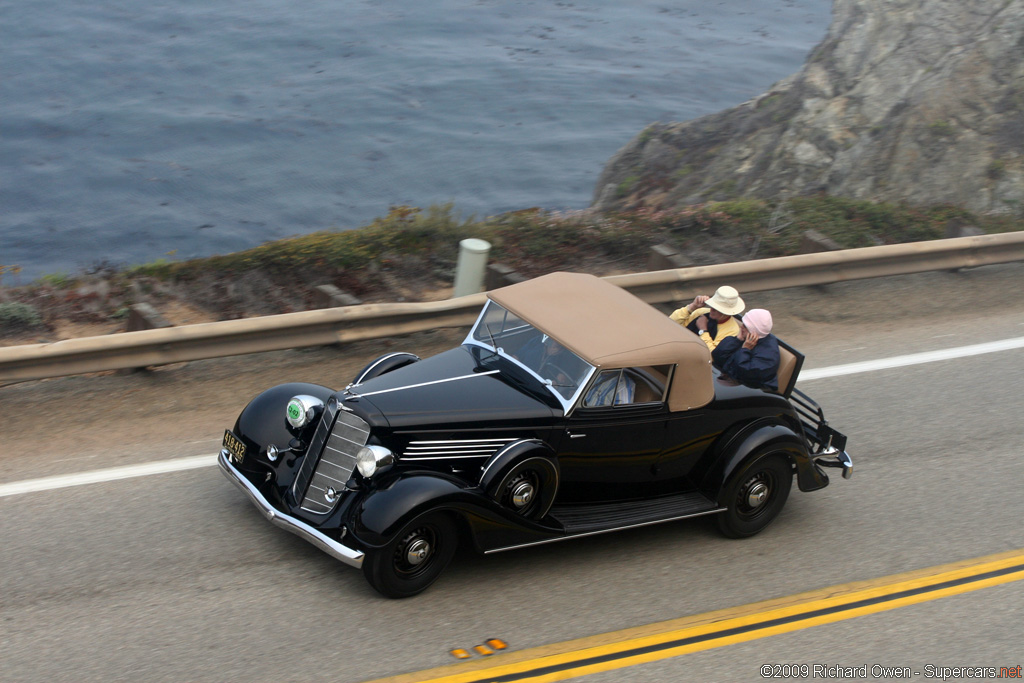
column 761, row 436
column 382, row 512
column 263, row 421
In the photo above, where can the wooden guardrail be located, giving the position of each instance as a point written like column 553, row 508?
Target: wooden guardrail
column 351, row 323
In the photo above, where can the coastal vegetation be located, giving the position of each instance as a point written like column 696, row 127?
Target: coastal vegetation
column 410, row 254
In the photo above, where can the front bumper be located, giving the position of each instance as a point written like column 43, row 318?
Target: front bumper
column 338, row 551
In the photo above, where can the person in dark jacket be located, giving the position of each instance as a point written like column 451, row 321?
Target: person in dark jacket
column 751, row 357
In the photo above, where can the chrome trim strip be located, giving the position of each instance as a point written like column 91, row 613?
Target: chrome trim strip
column 467, row 447
column 426, row 384
column 455, row 451
column 603, row 531
column 350, row 556
column 408, row 458
column 456, row 442
column 327, row 476
column 339, row 436
column 334, row 464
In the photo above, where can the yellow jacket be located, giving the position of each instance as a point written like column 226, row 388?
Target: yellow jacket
column 729, row 328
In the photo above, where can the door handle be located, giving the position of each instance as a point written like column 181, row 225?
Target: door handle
column 576, row 436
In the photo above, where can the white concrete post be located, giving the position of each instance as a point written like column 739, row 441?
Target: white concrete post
column 471, row 267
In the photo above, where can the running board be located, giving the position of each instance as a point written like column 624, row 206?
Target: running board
column 590, row 520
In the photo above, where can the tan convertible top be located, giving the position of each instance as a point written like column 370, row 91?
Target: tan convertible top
column 610, row 328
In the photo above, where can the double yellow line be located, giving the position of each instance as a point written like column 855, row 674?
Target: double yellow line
column 666, row 639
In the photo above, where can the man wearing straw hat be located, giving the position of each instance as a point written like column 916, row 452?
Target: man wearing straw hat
column 711, row 317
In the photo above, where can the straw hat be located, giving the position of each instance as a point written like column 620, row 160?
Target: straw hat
column 726, row 301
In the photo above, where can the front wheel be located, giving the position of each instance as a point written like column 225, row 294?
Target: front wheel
column 414, row 559
column 755, row 494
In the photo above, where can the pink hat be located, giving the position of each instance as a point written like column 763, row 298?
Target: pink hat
column 758, row 321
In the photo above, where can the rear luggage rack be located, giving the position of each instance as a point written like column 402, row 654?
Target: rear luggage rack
column 826, row 445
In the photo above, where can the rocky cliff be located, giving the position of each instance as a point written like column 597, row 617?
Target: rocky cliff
column 920, row 101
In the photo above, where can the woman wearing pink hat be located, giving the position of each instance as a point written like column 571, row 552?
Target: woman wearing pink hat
column 751, row 357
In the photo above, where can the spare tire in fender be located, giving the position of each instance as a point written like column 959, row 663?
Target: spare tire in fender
column 523, row 477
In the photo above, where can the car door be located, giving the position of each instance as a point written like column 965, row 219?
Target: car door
column 613, row 439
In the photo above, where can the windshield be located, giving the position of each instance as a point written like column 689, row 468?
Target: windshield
column 501, row 330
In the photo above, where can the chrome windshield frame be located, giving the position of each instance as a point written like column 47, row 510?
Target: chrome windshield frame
column 566, row 403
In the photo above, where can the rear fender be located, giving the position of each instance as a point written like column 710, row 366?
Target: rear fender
column 758, row 437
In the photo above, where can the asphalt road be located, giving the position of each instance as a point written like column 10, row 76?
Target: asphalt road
column 175, row 577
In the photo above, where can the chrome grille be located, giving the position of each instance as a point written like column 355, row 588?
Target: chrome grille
column 337, row 459
column 316, row 445
column 337, row 462
column 453, row 448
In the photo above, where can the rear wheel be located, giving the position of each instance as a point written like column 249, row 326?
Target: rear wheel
column 755, row 495
column 414, row 559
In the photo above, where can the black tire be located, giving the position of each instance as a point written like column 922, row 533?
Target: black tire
column 415, row 558
column 755, row 495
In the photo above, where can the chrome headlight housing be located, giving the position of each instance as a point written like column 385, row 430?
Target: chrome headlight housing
column 373, row 459
column 302, row 410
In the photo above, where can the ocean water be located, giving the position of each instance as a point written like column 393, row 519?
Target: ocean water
column 175, row 129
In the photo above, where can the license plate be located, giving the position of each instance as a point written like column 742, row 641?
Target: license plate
column 234, row 446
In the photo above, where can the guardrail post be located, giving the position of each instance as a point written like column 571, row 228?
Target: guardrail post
column 145, row 317
column 813, row 241
column 666, row 257
column 500, row 275
column 329, row 296
column 469, row 273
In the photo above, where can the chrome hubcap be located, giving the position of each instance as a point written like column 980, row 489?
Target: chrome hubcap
column 757, row 495
column 417, row 552
column 522, row 494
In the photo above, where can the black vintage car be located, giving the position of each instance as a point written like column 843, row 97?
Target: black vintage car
column 572, row 408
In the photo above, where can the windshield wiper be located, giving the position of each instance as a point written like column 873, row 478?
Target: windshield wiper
column 494, row 344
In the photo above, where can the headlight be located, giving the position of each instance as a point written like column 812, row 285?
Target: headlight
column 373, row 459
column 302, row 410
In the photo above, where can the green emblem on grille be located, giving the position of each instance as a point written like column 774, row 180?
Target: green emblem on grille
column 294, row 410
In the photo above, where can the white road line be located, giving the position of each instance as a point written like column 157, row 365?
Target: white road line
column 180, row 464
column 910, row 359
column 108, row 474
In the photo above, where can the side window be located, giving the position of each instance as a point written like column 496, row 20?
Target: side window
column 626, row 386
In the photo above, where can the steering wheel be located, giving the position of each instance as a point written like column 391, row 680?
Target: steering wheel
column 558, row 370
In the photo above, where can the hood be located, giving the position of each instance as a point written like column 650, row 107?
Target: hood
column 454, row 391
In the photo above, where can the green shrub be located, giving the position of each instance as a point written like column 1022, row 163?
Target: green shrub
column 536, row 240
column 57, row 280
column 16, row 316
